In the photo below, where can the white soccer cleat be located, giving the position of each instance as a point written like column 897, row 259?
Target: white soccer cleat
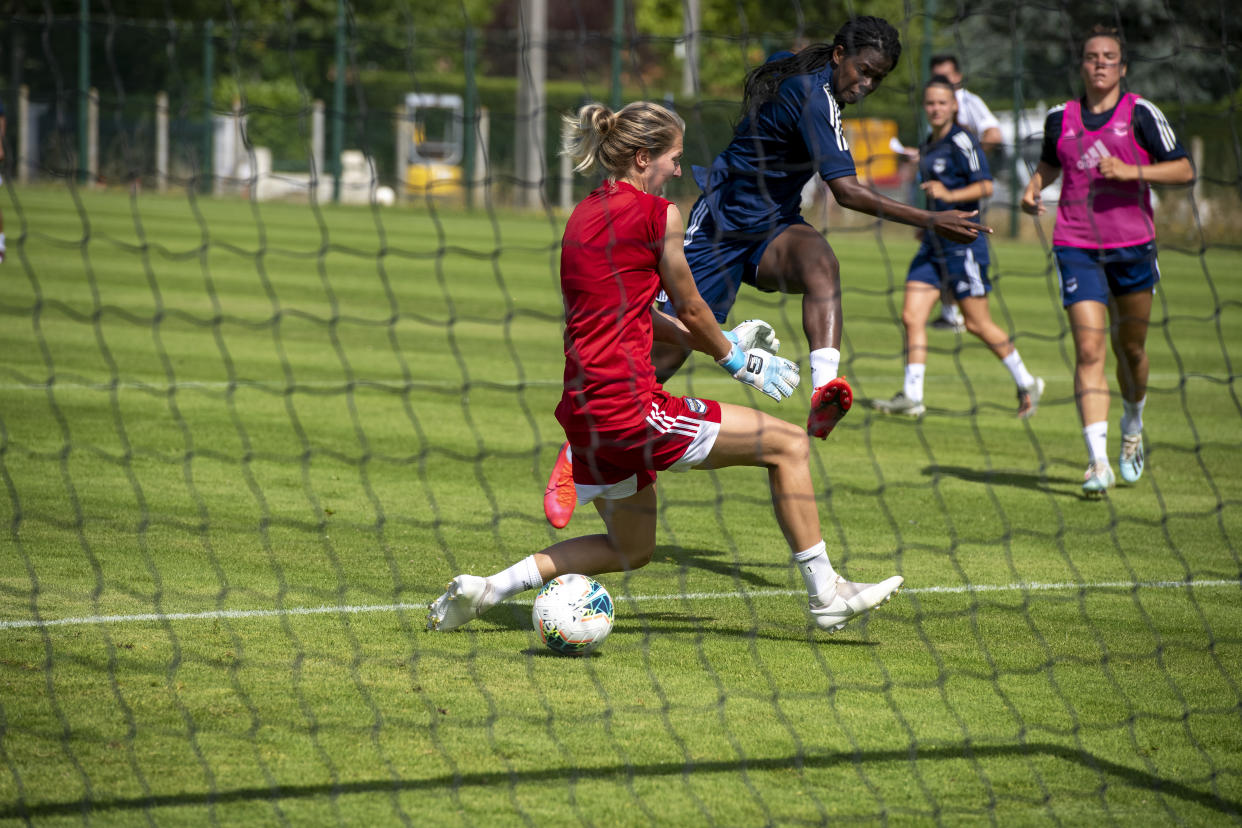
column 1131, row 457
column 1028, row 398
column 900, row 404
column 467, row 597
column 850, row 599
column 1097, row 479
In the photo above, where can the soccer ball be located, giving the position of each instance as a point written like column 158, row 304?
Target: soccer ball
column 385, row 196
column 573, row 614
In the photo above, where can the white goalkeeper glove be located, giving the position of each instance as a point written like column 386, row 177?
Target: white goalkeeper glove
column 775, row 376
column 754, row 333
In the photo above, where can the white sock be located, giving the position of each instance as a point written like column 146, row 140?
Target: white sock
column 1, row 241
column 520, row 577
column 1095, row 435
column 1017, row 370
column 1132, row 415
column 825, row 362
column 817, row 571
column 913, row 386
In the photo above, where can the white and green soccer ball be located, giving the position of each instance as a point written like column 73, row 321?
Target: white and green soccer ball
column 573, row 614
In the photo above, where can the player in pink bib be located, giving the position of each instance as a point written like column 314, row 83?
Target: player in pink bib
column 1108, row 147
column 622, row 246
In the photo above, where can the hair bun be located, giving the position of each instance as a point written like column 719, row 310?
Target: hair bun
column 605, row 120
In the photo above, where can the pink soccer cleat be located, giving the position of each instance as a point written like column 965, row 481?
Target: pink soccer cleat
column 560, row 498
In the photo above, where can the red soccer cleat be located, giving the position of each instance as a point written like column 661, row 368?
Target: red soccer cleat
column 560, row 498
column 828, row 405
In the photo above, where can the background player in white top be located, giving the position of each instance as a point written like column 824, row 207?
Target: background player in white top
column 972, row 112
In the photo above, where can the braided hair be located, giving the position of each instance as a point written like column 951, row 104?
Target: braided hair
column 858, row 33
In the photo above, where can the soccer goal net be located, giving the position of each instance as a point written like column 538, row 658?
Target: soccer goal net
column 282, row 338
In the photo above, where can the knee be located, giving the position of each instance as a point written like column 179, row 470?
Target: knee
column 1132, row 352
column 791, row 446
column 821, row 273
column 636, row 555
column 1090, row 362
column 976, row 327
column 912, row 319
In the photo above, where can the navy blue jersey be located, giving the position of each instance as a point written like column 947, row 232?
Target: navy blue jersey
column 1151, row 130
column 757, row 181
column 956, row 161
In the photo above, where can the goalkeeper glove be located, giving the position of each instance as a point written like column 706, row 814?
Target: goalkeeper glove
column 754, row 333
column 775, row 376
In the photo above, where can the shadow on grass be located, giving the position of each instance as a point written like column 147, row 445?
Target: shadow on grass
column 993, row 477
column 1089, row 764
column 707, row 561
column 511, row 617
column 516, row 615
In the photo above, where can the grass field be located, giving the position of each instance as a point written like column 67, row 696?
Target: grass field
column 242, row 448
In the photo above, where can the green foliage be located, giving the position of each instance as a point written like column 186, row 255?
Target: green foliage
column 277, row 113
column 280, row 57
column 1175, row 52
column 736, row 37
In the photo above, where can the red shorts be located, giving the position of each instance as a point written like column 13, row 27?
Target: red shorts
column 678, row 434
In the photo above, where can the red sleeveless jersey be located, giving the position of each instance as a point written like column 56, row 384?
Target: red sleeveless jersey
column 609, row 254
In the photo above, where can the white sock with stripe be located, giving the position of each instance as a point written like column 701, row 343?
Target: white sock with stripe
column 817, row 571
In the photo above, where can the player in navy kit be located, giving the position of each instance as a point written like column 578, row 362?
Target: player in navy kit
column 747, row 227
column 954, row 174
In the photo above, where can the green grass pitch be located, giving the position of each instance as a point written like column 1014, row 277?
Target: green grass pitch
column 243, row 446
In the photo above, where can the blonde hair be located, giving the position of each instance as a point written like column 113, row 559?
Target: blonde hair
column 597, row 136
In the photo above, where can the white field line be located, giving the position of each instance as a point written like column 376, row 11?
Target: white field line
column 91, row 620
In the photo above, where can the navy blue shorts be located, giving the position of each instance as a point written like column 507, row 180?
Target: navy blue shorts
column 1095, row 275
column 721, row 265
column 965, row 275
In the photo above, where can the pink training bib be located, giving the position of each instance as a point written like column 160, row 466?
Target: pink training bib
column 1095, row 212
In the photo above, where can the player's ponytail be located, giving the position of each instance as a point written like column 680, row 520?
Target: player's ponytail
column 582, row 133
column 597, row 136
